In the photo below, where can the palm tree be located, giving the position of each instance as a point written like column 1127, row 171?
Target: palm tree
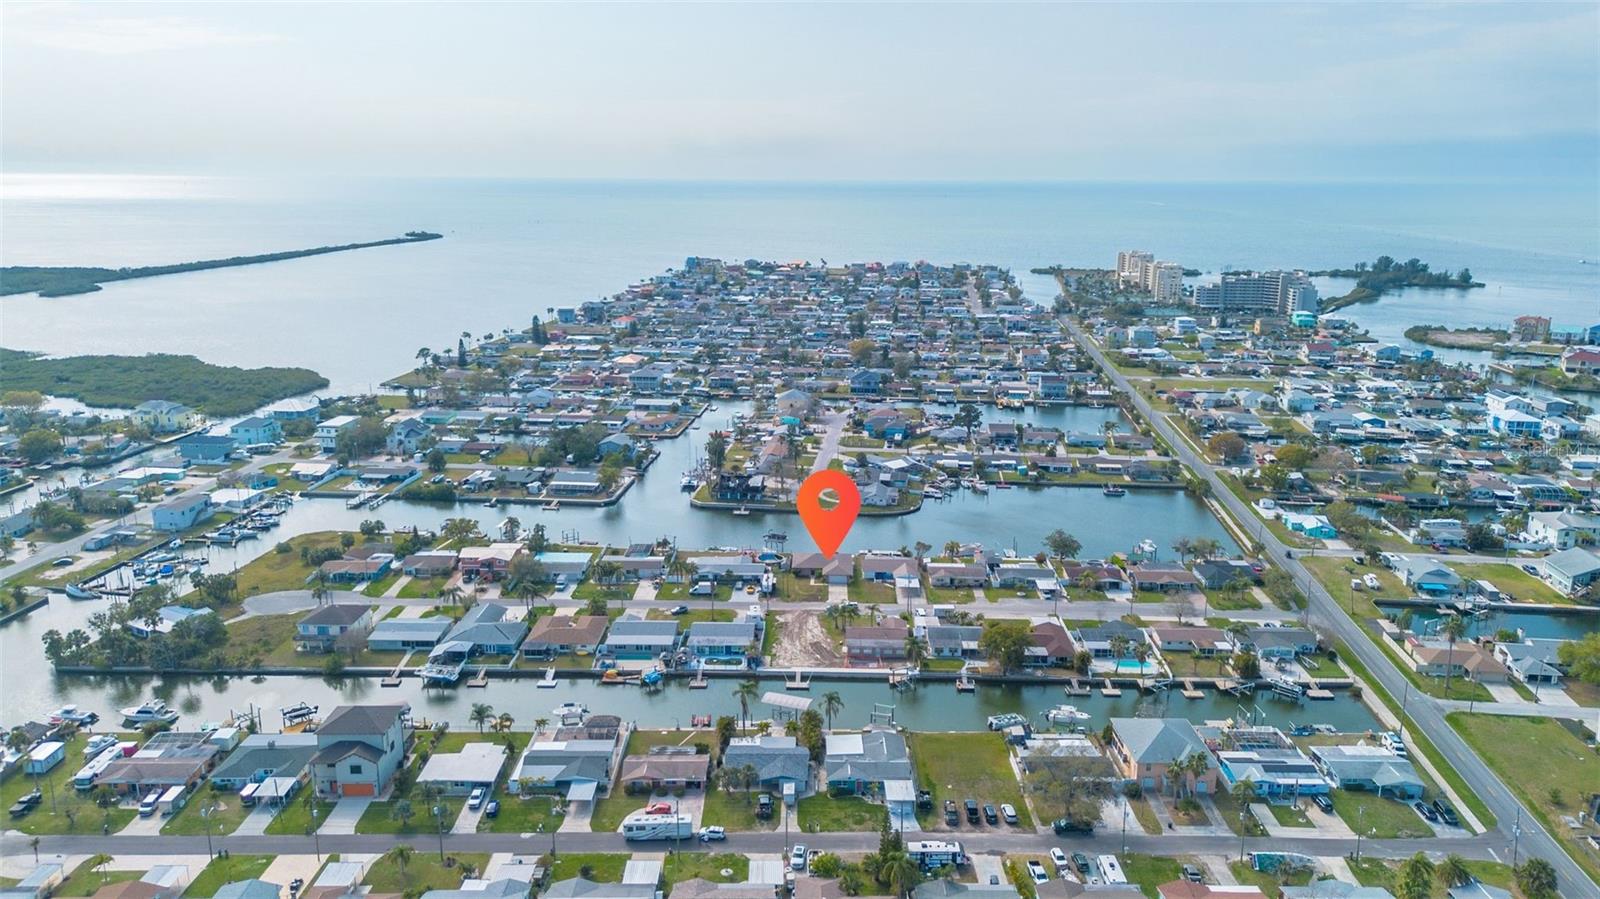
column 1109, row 429
column 403, row 812
column 1184, row 547
column 1453, row 872
column 832, row 704
column 747, row 692
column 482, row 712
column 1453, row 627
column 902, row 872
column 952, row 548
column 451, row 595
column 502, row 724
column 916, row 651
column 98, row 862
column 402, row 856
column 539, row 724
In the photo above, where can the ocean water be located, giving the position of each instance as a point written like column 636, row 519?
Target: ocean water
column 513, row 249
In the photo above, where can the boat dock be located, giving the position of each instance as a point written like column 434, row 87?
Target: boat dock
column 1109, row 691
column 1075, row 688
column 1190, row 691
column 798, row 682
column 548, row 682
column 481, row 679
column 965, row 683
column 698, row 682
column 1319, row 693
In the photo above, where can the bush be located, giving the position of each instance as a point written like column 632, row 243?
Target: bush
column 282, row 548
column 827, row 865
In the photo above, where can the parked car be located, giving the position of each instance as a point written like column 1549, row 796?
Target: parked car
column 764, row 806
column 989, row 815
column 26, row 804
column 797, row 858
column 680, row 610
column 1447, row 812
column 1037, row 872
column 952, row 817
column 924, row 800
column 475, row 800
column 1531, row 570
column 1193, row 874
column 1081, row 862
column 972, row 811
column 1008, row 812
column 1426, row 811
column 658, row 808
column 1059, row 859
column 492, row 810
column 712, row 834
column 1065, row 826
column 1320, row 800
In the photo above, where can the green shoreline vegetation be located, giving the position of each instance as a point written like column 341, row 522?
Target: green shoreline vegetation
column 1384, row 274
column 1457, row 338
column 127, row 381
column 61, row 281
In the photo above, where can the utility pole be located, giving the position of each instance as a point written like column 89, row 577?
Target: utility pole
column 1516, row 834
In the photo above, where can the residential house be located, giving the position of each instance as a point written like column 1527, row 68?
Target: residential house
column 1571, row 571
column 837, row 569
column 327, row 432
column 486, row 629
column 1429, row 578
column 1280, row 642
column 166, row 760
column 559, row 635
column 1214, row 574
column 1163, row 577
column 256, row 430
column 666, row 767
column 459, row 773
column 957, row 574
column 407, row 436
column 876, row 645
column 1534, row 661
column 575, row 769
column 261, row 756
column 1143, row 749
column 1434, row 657
column 404, row 634
column 321, row 629
column 782, row 765
column 182, row 513
column 636, row 638
column 1563, row 529
column 359, row 749
column 429, row 563
column 1050, row 646
column 951, row 641
column 1198, row 640
column 872, row 762
column 1370, row 768
column 489, row 563
column 723, row 642
column 165, row 416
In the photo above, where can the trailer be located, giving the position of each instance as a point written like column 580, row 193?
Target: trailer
column 85, row 779
column 171, row 801
column 1110, row 869
column 933, row 854
column 657, row 827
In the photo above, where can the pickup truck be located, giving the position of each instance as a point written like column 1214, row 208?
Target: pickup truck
column 26, row 804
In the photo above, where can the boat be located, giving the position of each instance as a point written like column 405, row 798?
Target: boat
column 978, row 486
column 1065, row 713
column 932, row 493
column 741, row 511
column 1115, row 490
column 687, row 482
column 651, row 678
column 78, row 591
column 150, row 712
column 1009, row 719
column 71, row 714
column 965, row 683
column 491, row 502
column 569, row 710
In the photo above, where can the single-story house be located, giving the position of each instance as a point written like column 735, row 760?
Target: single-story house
column 636, row 638
column 875, row 645
column 400, row 634
column 779, row 761
column 665, row 767
column 1370, row 768
column 459, row 773
column 576, row 769
column 260, row 756
column 837, row 570
column 559, row 635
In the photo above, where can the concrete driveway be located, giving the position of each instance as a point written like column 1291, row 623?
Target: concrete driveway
column 285, row 868
column 343, row 816
column 467, row 821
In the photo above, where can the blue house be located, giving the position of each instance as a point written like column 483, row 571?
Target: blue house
column 182, row 513
column 206, row 449
column 617, row 443
column 256, row 429
column 866, row 382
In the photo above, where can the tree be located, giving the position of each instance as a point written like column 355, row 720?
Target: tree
column 1275, row 476
column 1294, row 457
column 1226, row 446
column 1005, row 643
column 968, row 417
column 716, row 450
column 916, row 651
column 1247, row 665
column 832, row 704
column 1536, row 878
column 402, row 856
column 920, row 549
column 901, row 872
column 747, row 692
column 436, row 463
column 1582, row 657
column 1076, row 783
column 39, row 444
column 1415, row 878
column 1062, row 545
column 19, row 407
column 610, row 472
column 482, row 712
column 1453, row 628
column 1480, row 537
column 1453, row 872
column 403, row 812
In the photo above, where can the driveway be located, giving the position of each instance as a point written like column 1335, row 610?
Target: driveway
column 343, row 816
column 255, row 823
column 285, row 868
column 467, row 821
column 987, row 866
column 829, row 447
column 143, row 827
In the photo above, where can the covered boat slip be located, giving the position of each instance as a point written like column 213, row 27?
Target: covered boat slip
column 785, row 706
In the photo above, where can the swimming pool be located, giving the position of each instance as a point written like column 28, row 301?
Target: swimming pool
column 1136, row 667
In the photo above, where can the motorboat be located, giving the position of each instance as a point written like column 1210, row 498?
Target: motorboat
column 1114, row 490
column 569, row 711
column 1062, row 714
column 153, row 711
column 78, row 591
column 741, row 511
column 687, row 482
column 71, row 714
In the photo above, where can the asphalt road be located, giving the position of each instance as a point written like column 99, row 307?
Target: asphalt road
column 1423, row 711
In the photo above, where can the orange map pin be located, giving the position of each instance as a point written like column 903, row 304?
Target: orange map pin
column 828, row 527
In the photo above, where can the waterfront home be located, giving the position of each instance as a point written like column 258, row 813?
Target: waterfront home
column 573, row 482
column 1105, row 577
column 406, row 436
column 1534, row 661
column 637, row 638
column 488, row 563
column 782, row 765
column 206, row 449
column 1144, row 749
column 1429, row 578
column 1163, row 577
column 359, row 749
column 575, row 769
column 18, row 524
column 665, row 768
column 165, row 416
column 238, row 499
column 1015, row 573
column 1434, row 657
column 1370, row 768
column 262, row 756
column 837, row 570
column 1200, row 641
column 1264, row 756
column 886, row 568
column 167, row 617
column 311, row 472
column 873, row 762
column 794, row 402
column 737, row 570
column 256, row 430
column 1214, row 574
column 583, row 888
column 559, row 635
column 485, row 629
column 949, row 888
column 327, row 432
column 1280, row 642
column 876, row 645
column 1050, row 646
column 1571, row 571
column 350, row 570
column 166, row 760
column 565, row 567
column 1101, row 639
column 459, row 773
column 182, row 513
column 724, row 643
column 321, row 629
column 952, row 641
column 429, row 563
column 403, row 634
column 957, row 574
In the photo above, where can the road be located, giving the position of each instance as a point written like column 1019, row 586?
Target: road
column 1424, row 712
column 830, row 439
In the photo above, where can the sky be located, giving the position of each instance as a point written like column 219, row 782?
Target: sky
column 903, row 91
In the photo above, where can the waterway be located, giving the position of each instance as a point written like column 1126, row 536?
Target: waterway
column 1563, row 626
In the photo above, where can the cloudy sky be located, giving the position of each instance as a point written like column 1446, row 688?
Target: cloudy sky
column 806, row 91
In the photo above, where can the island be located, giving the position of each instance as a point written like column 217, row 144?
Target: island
column 127, row 381
column 61, row 281
column 1457, row 338
column 1384, row 274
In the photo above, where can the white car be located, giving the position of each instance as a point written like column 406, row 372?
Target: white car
column 475, row 801
column 755, row 610
column 797, row 858
column 1038, row 872
column 712, row 834
column 1059, row 859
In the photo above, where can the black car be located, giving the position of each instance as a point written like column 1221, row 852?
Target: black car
column 1064, row 826
column 952, row 816
column 972, row 811
column 492, row 810
column 924, row 800
column 1447, row 812
column 26, row 804
column 1426, row 811
column 1081, row 862
column 990, row 816
column 1321, row 801
column 764, row 806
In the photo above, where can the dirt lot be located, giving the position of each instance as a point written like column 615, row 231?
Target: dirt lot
column 802, row 643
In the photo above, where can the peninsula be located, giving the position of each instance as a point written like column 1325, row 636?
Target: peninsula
column 61, row 281
column 1384, row 274
column 126, row 381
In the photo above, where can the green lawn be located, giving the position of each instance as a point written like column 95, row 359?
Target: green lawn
column 735, row 811
column 1513, row 580
column 1335, row 574
column 1551, row 770
column 967, row 766
column 1229, row 807
column 793, row 589
column 382, row 584
column 295, row 818
column 423, row 587
column 227, row 816
column 824, row 813
column 681, row 866
column 1222, row 602
column 269, row 639
column 1149, row 871
column 1378, row 817
column 222, row 871
column 1270, row 884
column 86, row 882
column 69, row 811
column 422, row 872
column 1378, row 872
column 946, row 596
column 379, row 816
column 600, row 867
column 691, row 616
column 867, row 591
column 283, row 571
column 1289, row 815
column 1145, row 815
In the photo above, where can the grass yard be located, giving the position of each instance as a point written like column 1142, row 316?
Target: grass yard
column 1150, row 871
column 1289, row 815
column 1229, row 807
column 1188, row 813
column 227, row 816
column 270, row 639
column 86, row 882
column 532, row 814
column 866, row 591
column 1378, row 817
column 1551, row 770
column 948, row 596
column 423, row 587
column 1335, row 574
column 1270, row 884
column 1379, row 872
column 963, row 766
column 691, row 616
column 382, row 584
column 1513, row 580
column 70, row 811
column 1145, row 814
column 682, row 866
column 284, row 571
column 600, row 867
column 222, row 871
column 295, row 818
column 794, row 589
column 825, row 813
column 735, row 811
column 422, row 872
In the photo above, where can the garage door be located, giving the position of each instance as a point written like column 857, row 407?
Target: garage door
column 357, row 790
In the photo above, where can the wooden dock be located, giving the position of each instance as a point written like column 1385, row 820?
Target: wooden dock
column 393, row 680
column 1319, row 693
column 481, row 679
column 798, row 682
column 548, row 682
column 1075, row 688
column 1109, row 691
column 699, row 681
column 1190, row 691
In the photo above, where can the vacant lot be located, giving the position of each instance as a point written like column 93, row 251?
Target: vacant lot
column 966, row 766
column 804, row 642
